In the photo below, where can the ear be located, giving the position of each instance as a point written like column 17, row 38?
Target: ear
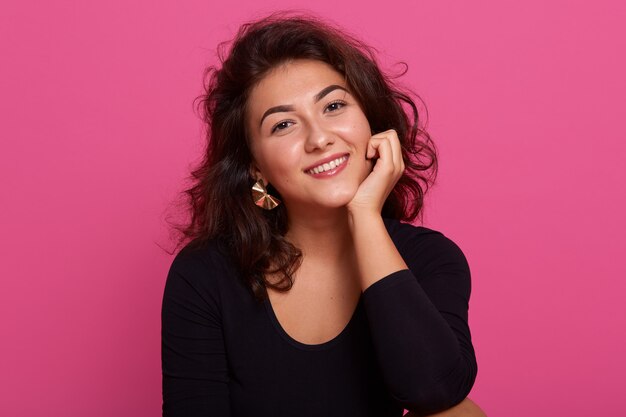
column 255, row 173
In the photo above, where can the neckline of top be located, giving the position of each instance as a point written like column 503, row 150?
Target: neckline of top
column 305, row 346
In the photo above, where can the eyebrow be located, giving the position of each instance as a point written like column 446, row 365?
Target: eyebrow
column 318, row 97
column 328, row 90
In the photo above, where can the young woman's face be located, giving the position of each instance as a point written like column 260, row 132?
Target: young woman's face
column 308, row 136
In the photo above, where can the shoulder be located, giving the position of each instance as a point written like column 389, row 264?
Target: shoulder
column 427, row 251
column 200, row 257
column 405, row 234
column 409, row 237
column 200, row 269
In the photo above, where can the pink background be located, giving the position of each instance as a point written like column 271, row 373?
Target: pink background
column 526, row 102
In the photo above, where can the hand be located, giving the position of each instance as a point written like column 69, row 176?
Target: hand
column 385, row 149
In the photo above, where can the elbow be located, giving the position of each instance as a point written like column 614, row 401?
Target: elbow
column 428, row 397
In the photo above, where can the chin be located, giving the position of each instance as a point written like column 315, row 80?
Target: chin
column 339, row 198
column 325, row 198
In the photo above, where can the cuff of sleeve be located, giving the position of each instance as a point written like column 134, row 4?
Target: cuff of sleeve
column 390, row 281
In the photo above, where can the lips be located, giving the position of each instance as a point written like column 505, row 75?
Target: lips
column 327, row 165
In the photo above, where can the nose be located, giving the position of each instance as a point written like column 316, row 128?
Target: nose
column 318, row 137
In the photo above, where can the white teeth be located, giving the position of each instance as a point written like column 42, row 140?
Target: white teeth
column 328, row 166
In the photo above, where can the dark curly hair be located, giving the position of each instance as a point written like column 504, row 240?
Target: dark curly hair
column 219, row 200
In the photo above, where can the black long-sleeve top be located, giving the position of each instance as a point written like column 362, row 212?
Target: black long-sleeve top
column 407, row 345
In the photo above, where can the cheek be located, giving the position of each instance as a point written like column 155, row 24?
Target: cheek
column 277, row 162
column 358, row 128
column 367, row 169
column 356, row 132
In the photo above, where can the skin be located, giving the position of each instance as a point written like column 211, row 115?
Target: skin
column 287, row 142
column 335, row 220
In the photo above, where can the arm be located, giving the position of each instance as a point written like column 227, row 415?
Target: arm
column 419, row 331
column 376, row 253
column 419, row 327
column 193, row 358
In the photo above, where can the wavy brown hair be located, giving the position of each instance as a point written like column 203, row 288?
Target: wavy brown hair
column 219, row 200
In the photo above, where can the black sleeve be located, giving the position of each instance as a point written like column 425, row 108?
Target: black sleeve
column 193, row 358
column 419, row 327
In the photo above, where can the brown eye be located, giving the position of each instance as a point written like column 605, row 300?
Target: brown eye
column 335, row 105
column 281, row 125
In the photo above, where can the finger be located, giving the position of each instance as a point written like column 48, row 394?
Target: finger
column 385, row 160
column 372, row 147
column 379, row 137
column 396, row 157
column 396, row 148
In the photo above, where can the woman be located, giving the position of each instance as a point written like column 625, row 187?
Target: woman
column 299, row 291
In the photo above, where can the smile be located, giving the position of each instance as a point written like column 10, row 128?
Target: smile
column 329, row 166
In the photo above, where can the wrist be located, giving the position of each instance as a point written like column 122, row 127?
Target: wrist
column 363, row 219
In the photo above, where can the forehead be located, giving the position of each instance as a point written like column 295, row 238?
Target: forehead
column 293, row 81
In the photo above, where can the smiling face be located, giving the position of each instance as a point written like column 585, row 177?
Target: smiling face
column 308, row 136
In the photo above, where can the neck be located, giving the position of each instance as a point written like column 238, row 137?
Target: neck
column 325, row 236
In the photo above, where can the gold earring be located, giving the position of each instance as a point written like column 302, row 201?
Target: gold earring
column 262, row 198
